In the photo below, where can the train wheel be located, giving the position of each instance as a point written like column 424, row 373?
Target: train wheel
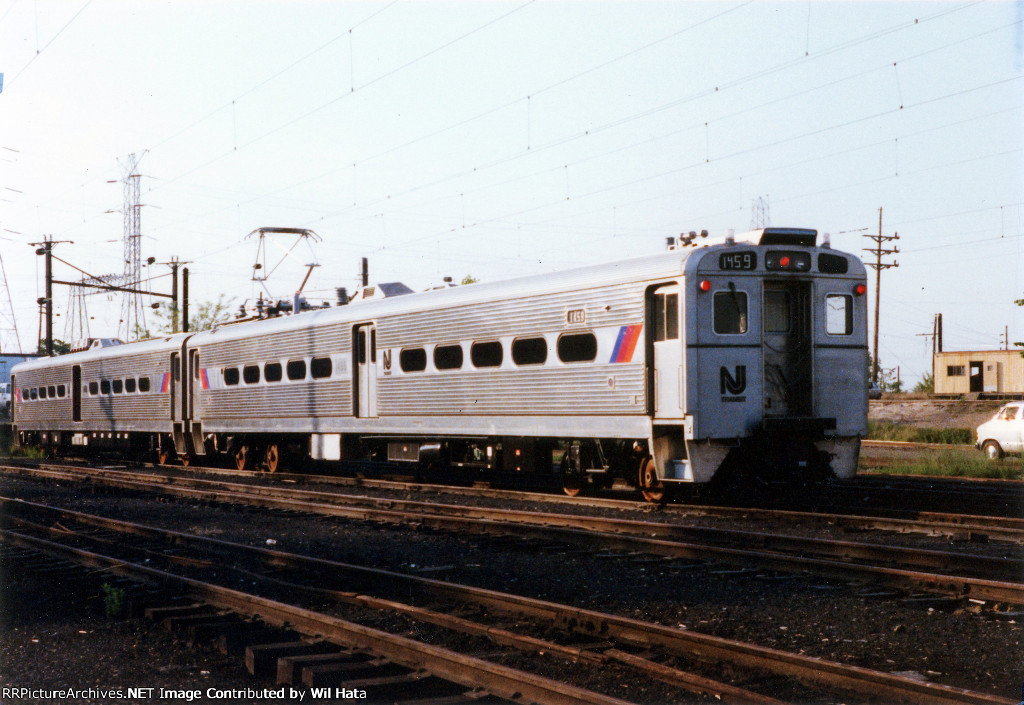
column 241, row 456
column 651, row 487
column 573, row 484
column 185, row 458
column 272, row 456
column 161, row 456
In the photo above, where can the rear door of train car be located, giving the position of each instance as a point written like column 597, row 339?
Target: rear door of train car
column 787, row 343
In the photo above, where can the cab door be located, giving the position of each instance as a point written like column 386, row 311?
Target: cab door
column 664, row 325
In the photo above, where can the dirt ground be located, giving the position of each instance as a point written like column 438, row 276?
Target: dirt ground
column 926, row 413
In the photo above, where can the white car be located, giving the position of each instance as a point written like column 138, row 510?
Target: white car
column 1003, row 433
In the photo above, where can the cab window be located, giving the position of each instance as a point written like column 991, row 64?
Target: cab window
column 839, row 314
column 730, row 312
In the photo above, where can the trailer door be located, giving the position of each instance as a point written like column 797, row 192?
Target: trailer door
column 664, row 326
column 364, row 347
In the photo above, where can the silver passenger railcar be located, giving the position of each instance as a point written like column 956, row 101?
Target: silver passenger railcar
column 748, row 356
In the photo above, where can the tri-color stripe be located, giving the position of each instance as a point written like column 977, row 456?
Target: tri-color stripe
column 625, row 344
column 166, row 384
column 204, row 381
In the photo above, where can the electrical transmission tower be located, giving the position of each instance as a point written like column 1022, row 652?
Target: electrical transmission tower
column 760, row 217
column 878, row 265
column 133, row 319
column 9, row 340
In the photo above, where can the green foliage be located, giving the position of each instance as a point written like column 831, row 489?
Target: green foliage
column 887, row 431
column 114, row 600
column 59, row 347
column 950, row 463
column 926, row 385
column 205, row 317
column 469, row 279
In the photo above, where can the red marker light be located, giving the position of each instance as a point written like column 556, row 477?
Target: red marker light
column 860, row 289
column 784, row 261
column 705, row 285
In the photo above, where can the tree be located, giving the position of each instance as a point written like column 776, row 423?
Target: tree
column 927, row 384
column 59, row 347
column 208, row 315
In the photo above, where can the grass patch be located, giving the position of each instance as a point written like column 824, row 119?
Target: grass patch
column 952, row 463
column 888, row 431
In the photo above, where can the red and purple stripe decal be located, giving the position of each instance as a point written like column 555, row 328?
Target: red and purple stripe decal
column 625, row 344
column 166, row 384
column 204, row 381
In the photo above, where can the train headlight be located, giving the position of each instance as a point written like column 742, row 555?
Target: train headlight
column 860, row 289
column 705, row 285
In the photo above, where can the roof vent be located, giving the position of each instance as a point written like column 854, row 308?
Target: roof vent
column 381, row 291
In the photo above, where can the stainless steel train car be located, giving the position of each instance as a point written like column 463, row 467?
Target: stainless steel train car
column 743, row 357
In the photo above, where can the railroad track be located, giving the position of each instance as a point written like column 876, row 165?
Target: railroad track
column 858, row 515
column 542, row 628
column 961, row 575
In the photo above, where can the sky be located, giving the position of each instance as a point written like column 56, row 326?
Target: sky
column 497, row 139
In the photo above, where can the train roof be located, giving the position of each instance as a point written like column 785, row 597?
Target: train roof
column 662, row 265
column 165, row 344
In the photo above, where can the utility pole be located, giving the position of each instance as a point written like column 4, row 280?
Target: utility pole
column 879, row 251
column 45, row 249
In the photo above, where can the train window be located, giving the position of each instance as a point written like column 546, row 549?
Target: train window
column 487, row 354
column 832, row 264
column 776, row 311
column 61, row 392
column 129, row 385
column 143, row 384
column 448, row 357
column 577, row 347
column 230, row 376
column 94, row 388
column 104, row 386
column 51, row 392
column 35, row 392
column 117, row 386
column 272, row 372
column 666, row 317
column 839, row 314
column 251, row 374
column 361, row 347
column 320, row 367
column 296, row 369
column 42, row 392
column 25, row 395
column 529, row 351
column 413, row 359
column 730, row 312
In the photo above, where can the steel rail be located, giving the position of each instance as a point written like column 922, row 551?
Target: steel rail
column 497, row 523
column 929, row 523
column 830, row 675
column 502, row 681
column 847, row 549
